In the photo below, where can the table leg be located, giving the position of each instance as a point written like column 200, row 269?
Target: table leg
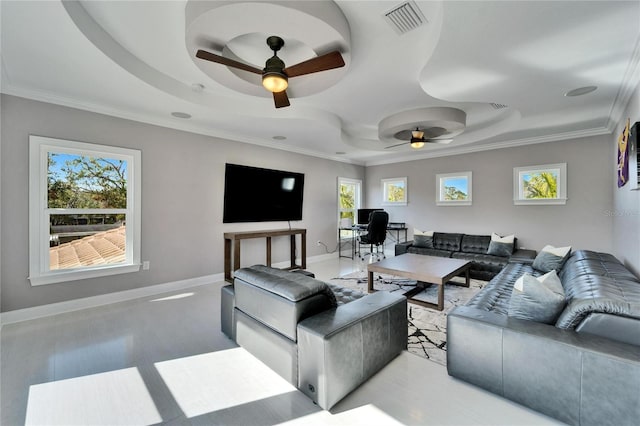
column 303, row 250
column 370, row 288
column 227, row 259
column 269, row 251
column 467, row 278
column 354, row 241
column 236, row 255
column 441, row 297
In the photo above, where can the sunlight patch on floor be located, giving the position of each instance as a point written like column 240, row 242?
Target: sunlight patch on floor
column 365, row 415
column 174, row 297
column 214, row 381
column 117, row 397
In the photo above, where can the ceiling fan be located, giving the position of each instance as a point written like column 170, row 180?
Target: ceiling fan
column 275, row 75
column 418, row 138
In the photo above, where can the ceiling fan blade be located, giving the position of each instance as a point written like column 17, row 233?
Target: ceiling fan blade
column 325, row 62
column 208, row 56
column 441, row 141
column 398, row 144
column 281, row 99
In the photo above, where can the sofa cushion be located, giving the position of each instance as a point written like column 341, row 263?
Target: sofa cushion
column 428, row 252
column 539, row 299
column 496, row 295
column 501, row 246
column 293, row 287
column 583, row 262
column 447, row 241
column 475, row 244
column 345, row 294
column 590, row 293
column 551, row 257
column 280, row 299
column 423, row 239
column 485, row 262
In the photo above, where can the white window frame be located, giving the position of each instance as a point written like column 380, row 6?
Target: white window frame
column 440, row 189
column 386, row 184
column 39, row 212
column 358, row 197
column 560, row 168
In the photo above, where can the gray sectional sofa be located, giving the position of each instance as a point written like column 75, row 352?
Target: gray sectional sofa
column 324, row 339
column 474, row 248
column 584, row 369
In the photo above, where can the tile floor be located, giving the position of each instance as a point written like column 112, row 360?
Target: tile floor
column 163, row 360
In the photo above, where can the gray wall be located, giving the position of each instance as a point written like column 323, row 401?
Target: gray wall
column 626, row 211
column 581, row 223
column 182, row 194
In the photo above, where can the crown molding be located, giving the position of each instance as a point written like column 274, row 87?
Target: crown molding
column 630, row 82
column 43, row 96
column 471, row 148
column 47, row 97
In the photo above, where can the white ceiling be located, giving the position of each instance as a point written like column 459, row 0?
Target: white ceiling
column 136, row 60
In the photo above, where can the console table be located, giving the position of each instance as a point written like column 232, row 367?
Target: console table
column 232, row 240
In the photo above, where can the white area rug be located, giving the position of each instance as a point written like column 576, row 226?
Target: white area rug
column 427, row 328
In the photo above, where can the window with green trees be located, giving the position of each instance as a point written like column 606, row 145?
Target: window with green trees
column 454, row 189
column 394, row 191
column 544, row 184
column 349, row 200
column 85, row 220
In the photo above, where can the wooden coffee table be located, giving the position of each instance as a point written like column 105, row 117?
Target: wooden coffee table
column 427, row 270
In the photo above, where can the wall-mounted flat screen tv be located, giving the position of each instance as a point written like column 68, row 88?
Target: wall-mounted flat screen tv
column 253, row 194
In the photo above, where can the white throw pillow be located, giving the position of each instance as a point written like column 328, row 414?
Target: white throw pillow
column 539, row 299
column 551, row 257
column 558, row 251
column 507, row 239
column 501, row 246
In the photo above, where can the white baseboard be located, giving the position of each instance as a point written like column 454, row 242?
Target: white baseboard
column 25, row 314
column 310, row 260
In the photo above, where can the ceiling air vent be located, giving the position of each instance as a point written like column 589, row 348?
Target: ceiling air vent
column 405, row 17
column 499, row 106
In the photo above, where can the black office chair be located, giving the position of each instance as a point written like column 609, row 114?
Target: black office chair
column 375, row 235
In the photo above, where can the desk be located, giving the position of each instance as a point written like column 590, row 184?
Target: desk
column 232, row 240
column 397, row 229
column 357, row 230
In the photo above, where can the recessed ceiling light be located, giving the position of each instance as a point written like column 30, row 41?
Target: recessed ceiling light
column 340, row 153
column 279, row 137
column 178, row 114
column 581, row 91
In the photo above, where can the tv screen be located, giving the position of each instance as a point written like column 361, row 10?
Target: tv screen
column 253, row 194
column 363, row 215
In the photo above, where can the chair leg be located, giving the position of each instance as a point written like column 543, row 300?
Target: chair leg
column 376, row 250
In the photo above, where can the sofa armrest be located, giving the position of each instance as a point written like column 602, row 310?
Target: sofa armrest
column 339, row 349
column 401, row 248
column 574, row 377
column 523, row 256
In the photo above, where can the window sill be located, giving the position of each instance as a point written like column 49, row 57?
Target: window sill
column 540, row 201
column 74, row 275
column 454, row 203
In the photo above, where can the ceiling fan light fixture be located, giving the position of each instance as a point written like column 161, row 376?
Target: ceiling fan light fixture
column 416, row 144
column 417, row 134
column 275, row 82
